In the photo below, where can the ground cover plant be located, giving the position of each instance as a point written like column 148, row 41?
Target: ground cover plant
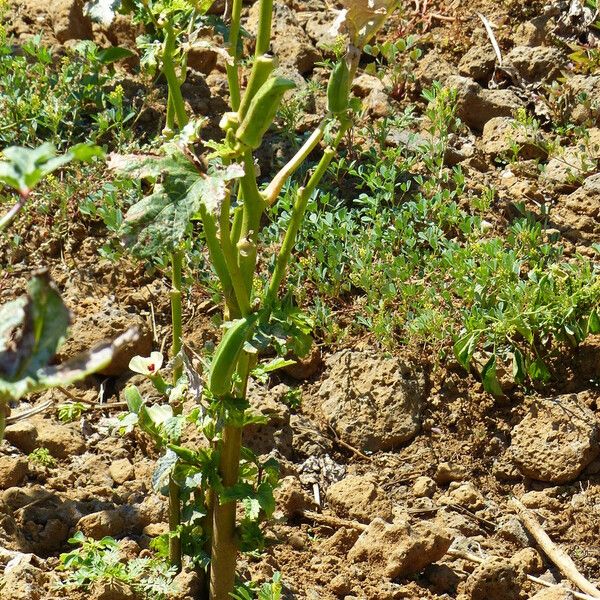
column 238, row 209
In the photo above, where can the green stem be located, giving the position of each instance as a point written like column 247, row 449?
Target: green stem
column 232, row 70
column 230, row 256
column 170, row 120
column 224, row 540
column 168, row 68
column 254, row 206
column 274, row 188
column 298, row 211
column 3, row 405
column 177, row 327
column 176, row 309
column 263, row 36
column 216, row 257
column 261, row 69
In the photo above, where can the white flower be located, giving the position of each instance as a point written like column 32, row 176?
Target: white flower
column 147, row 366
column 361, row 19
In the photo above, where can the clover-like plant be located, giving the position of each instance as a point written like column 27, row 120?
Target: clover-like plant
column 205, row 484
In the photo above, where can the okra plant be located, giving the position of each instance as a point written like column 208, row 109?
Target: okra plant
column 222, row 193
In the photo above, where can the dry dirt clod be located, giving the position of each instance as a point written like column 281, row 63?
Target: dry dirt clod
column 399, row 549
column 359, row 497
column 121, row 471
column 68, row 20
column 373, row 402
column 538, row 63
column 23, row 581
column 446, row 472
column 556, row 440
column 291, row 498
column 463, row 494
column 12, row 471
column 495, row 579
column 553, row 593
column 500, row 133
column 478, row 63
column 112, row 589
column 102, row 523
column 424, row 487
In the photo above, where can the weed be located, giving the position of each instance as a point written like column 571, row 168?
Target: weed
column 42, row 457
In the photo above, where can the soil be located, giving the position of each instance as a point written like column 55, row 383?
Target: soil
column 389, row 461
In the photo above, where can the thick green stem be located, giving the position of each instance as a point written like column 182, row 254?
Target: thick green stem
column 224, row 539
column 261, row 69
column 263, row 36
column 177, row 330
column 232, row 69
column 168, row 68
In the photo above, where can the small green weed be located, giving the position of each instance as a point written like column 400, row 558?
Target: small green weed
column 100, row 560
column 42, row 457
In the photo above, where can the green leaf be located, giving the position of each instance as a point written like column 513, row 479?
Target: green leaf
column 133, row 398
column 23, row 168
column 114, row 54
column 464, row 348
column 539, row 371
column 164, row 467
column 519, row 367
column 158, row 223
column 264, row 495
column 593, row 325
column 490, row 378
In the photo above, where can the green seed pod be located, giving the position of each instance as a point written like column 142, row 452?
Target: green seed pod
column 262, row 110
column 261, row 69
column 338, row 88
column 227, row 354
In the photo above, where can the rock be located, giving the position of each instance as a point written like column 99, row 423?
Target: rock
column 68, row 20
column 364, row 84
column 373, row 402
column 307, row 366
column 495, row 579
column 358, row 497
column 556, row 440
column 399, row 549
column 510, row 528
column 478, row 63
column 276, row 433
column 307, row 439
column 446, row 473
column 433, row 67
column 556, row 592
column 500, row 134
column 106, row 324
column 442, row 579
column 528, row 560
column 567, row 170
column 377, row 104
column 22, row 435
column 102, row 523
column 290, row 497
column 63, row 440
column 317, row 25
column 12, row 471
column 111, row 589
column 531, row 33
column 463, row 494
column 185, row 586
column 476, row 105
column 424, row 487
column 121, row 471
column 584, row 93
column 592, row 144
column 290, row 43
column 23, row 581
column 538, row 63
column 577, row 215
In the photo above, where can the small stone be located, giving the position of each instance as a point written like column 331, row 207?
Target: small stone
column 358, row 497
column 568, row 170
column 537, row 63
column 510, row 528
column 364, row 84
column 446, row 473
column 101, row 524
column 556, row 592
column 185, row 586
column 121, row 471
column 156, row 529
column 500, row 134
column 465, row 495
column 22, row 435
column 290, row 498
column 528, row 560
column 442, row 578
column 297, row 542
column 23, row 581
column 495, row 579
column 424, row 487
column 12, row 471
column 478, row 63
column 340, row 585
column 400, row 549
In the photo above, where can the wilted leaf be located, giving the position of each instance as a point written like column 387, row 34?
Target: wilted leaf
column 158, row 223
column 464, row 348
